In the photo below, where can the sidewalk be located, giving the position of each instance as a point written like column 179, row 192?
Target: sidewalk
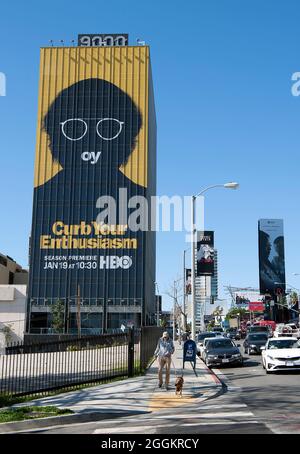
column 128, row 397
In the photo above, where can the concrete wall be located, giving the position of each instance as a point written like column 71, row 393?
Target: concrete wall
column 12, row 313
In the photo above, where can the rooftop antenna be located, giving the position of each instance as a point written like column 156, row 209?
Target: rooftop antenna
column 140, row 43
column 51, row 42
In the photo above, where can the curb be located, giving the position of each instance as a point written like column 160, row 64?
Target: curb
column 17, row 426
column 214, row 376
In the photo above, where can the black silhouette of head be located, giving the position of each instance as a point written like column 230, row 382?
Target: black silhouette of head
column 92, row 116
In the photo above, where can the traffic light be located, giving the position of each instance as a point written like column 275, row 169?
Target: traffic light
column 267, row 302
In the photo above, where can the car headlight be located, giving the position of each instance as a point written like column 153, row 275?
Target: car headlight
column 253, row 346
column 237, row 355
column 212, row 356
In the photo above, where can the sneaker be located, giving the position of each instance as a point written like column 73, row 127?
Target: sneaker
column 159, row 385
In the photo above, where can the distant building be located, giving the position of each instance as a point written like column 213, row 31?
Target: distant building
column 12, row 314
column 11, row 273
column 214, row 278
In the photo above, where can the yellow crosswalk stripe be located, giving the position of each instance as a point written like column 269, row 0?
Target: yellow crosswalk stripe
column 159, row 401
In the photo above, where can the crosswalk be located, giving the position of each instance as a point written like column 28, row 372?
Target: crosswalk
column 227, row 414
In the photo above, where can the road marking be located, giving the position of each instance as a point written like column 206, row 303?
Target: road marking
column 161, row 401
column 200, row 415
column 223, row 406
column 221, row 423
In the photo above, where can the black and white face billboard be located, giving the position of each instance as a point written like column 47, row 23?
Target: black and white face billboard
column 205, row 253
column 188, row 281
column 271, row 256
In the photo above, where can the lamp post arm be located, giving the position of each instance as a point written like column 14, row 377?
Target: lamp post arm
column 209, row 187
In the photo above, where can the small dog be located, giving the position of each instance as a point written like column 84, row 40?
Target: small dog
column 179, row 385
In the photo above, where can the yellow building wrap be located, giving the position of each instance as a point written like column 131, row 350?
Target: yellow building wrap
column 61, row 67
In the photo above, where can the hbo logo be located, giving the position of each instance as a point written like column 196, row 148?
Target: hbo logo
column 113, row 262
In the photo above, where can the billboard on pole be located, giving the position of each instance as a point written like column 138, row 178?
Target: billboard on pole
column 188, row 281
column 271, row 256
column 250, row 300
column 205, row 253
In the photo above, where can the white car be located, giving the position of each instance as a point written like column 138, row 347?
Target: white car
column 287, row 330
column 281, row 353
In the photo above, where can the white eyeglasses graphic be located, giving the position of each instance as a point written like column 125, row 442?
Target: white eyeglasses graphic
column 106, row 128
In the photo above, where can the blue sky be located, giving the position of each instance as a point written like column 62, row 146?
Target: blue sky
column 222, row 78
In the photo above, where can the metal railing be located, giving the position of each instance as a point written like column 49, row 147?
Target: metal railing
column 42, row 367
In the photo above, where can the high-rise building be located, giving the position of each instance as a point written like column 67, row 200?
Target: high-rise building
column 214, row 278
column 91, row 252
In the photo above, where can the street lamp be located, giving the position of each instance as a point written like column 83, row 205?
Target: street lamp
column 230, row 185
column 157, row 303
column 184, row 289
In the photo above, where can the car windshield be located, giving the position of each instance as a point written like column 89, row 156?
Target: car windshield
column 205, row 335
column 222, row 343
column 283, row 343
column 259, row 328
column 258, row 336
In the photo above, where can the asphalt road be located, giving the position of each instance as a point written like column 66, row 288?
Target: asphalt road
column 252, row 402
column 274, row 399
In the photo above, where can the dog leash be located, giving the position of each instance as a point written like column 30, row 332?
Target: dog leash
column 181, row 375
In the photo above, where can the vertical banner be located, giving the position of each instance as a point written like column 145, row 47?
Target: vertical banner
column 188, row 281
column 205, row 253
column 271, row 256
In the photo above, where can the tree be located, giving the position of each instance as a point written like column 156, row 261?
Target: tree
column 294, row 299
column 235, row 312
column 58, row 311
column 175, row 291
column 163, row 321
column 8, row 333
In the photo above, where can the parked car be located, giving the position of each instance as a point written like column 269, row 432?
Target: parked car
column 281, row 353
column 254, row 342
column 200, row 340
column 220, row 351
column 205, row 341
